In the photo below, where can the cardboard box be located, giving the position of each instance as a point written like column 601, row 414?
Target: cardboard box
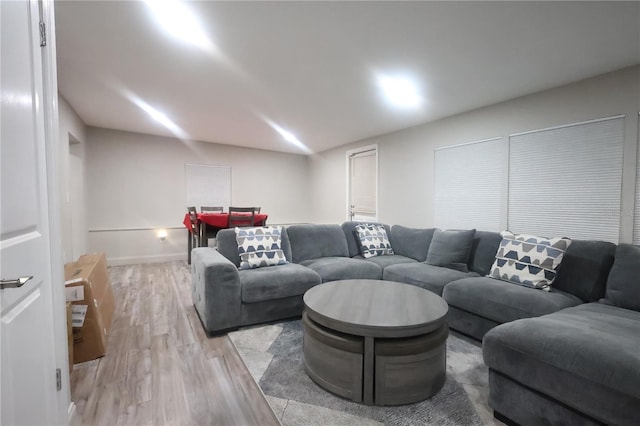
column 88, row 289
column 70, row 337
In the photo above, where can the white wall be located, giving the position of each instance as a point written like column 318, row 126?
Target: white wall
column 406, row 157
column 136, row 185
column 72, row 181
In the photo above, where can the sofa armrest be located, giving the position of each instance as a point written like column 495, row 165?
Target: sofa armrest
column 215, row 290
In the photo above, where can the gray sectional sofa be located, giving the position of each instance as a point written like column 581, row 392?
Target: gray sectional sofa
column 557, row 357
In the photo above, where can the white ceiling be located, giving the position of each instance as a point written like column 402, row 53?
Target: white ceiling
column 310, row 66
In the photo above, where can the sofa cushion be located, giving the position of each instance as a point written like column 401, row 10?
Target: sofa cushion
column 585, row 357
column 373, row 240
column 384, row 261
column 433, row 278
column 276, row 283
column 451, row 249
column 483, row 251
column 343, row 268
column 623, row 286
column 260, row 246
column 529, row 260
column 585, row 269
column 316, row 241
column 351, row 235
column 227, row 245
column 411, row 242
column 501, row 301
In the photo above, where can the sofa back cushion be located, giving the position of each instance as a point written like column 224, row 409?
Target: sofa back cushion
column 411, row 242
column 585, row 268
column 351, row 235
column 483, row 252
column 227, row 245
column 316, row 241
column 451, row 249
column 623, row 285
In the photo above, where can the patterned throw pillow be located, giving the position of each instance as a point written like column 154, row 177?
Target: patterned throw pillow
column 260, row 246
column 529, row 261
column 373, row 240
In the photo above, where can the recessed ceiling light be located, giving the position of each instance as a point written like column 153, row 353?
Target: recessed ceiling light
column 180, row 22
column 400, row 91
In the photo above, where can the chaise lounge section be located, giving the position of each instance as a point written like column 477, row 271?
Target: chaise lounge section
column 577, row 366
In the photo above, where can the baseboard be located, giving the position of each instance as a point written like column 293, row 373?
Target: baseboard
column 133, row 260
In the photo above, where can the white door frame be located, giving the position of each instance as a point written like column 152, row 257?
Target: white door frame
column 66, row 408
column 349, row 153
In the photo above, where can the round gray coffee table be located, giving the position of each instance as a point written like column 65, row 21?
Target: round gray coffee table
column 375, row 341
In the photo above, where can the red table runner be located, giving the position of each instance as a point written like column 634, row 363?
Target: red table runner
column 221, row 220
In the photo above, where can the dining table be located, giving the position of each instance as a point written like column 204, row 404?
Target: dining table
column 213, row 222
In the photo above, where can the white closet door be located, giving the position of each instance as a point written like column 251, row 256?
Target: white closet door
column 470, row 184
column 567, row 181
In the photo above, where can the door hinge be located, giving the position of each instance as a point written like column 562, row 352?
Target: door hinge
column 58, row 379
column 43, row 34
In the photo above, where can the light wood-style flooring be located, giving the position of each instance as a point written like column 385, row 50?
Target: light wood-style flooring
column 161, row 368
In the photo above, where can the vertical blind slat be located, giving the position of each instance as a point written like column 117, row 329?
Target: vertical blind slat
column 636, row 214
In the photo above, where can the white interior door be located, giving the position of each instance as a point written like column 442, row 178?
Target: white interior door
column 27, row 367
column 363, row 185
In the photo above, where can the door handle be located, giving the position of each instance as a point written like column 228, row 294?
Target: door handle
column 15, row 283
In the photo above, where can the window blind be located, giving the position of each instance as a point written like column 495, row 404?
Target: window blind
column 470, row 185
column 567, row 181
column 208, row 185
column 636, row 215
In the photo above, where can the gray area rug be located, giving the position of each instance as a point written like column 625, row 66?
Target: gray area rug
column 273, row 354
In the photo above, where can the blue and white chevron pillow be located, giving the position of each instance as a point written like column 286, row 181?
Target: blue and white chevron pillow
column 260, row 246
column 373, row 240
column 529, row 261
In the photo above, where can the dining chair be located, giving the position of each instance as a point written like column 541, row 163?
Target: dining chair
column 257, row 210
column 205, row 209
column 208, row 231
column 241, row 216
column 194, row 234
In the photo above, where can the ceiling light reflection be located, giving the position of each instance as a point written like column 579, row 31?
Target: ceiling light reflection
column 287, row 135
column 158, row 116
column 180, row 22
